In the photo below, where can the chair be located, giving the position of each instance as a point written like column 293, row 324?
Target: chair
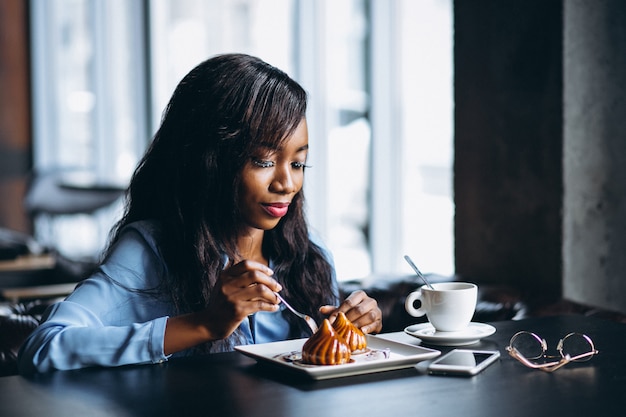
column 64, row 193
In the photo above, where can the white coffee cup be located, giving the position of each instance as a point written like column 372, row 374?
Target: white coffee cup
column 449, row 306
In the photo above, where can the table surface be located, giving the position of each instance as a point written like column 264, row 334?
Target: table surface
column 230, row 384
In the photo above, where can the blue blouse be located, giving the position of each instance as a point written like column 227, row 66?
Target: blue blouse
column 111, row 319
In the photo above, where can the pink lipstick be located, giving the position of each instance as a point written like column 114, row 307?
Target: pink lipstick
column 276, row 209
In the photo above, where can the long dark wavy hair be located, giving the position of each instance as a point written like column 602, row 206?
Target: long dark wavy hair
column 188, row 181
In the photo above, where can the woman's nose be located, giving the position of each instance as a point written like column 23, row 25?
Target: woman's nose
column 283, row 181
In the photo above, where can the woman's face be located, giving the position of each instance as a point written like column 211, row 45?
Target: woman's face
column 271, row 178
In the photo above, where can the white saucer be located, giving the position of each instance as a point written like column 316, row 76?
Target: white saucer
column 472, row 334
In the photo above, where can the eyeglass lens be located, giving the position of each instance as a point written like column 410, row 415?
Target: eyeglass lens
column 575, row 344
column 528, row 345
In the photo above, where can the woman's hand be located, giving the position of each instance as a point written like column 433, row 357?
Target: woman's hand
column 241, row 290
column 360, row 309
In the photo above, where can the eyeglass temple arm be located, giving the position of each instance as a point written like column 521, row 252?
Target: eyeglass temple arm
column 567, row 359
column 584, row 355
column 547, row 367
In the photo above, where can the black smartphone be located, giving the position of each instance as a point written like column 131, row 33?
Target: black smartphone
column 463, row 362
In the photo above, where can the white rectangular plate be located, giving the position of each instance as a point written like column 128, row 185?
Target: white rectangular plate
column 401, row 356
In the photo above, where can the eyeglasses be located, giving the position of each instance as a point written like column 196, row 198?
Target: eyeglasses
column 574, row 347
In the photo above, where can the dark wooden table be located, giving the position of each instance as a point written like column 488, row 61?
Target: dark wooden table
column 231, row 384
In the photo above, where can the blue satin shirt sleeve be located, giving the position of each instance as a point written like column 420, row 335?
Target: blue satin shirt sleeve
column 111, row 318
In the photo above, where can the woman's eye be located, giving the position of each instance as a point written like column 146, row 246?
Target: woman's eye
column 263, row 163
column 299, row 165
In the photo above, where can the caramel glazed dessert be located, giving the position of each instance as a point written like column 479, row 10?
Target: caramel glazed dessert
column 334, row 344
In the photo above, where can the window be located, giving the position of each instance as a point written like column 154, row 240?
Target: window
column 426, row 113
column 185, row 32
column 89, row 104
column 379, row 77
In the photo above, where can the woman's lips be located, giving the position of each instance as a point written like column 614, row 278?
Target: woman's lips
column 276, row 209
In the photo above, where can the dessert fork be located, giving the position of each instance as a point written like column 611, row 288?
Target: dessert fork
column 309, row 320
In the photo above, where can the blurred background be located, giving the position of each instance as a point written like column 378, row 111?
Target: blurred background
column 484, row 138
column 103, row 72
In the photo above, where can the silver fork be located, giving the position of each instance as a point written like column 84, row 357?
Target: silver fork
column 309, row 320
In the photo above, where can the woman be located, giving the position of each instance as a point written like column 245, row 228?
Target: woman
column 213, row 227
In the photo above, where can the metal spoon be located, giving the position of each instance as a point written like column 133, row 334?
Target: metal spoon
column 417, row 271
column 309, row 320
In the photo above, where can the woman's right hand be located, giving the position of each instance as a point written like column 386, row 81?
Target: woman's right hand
column 241, row 290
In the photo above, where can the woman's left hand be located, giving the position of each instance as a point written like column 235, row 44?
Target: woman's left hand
column 360, row 309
